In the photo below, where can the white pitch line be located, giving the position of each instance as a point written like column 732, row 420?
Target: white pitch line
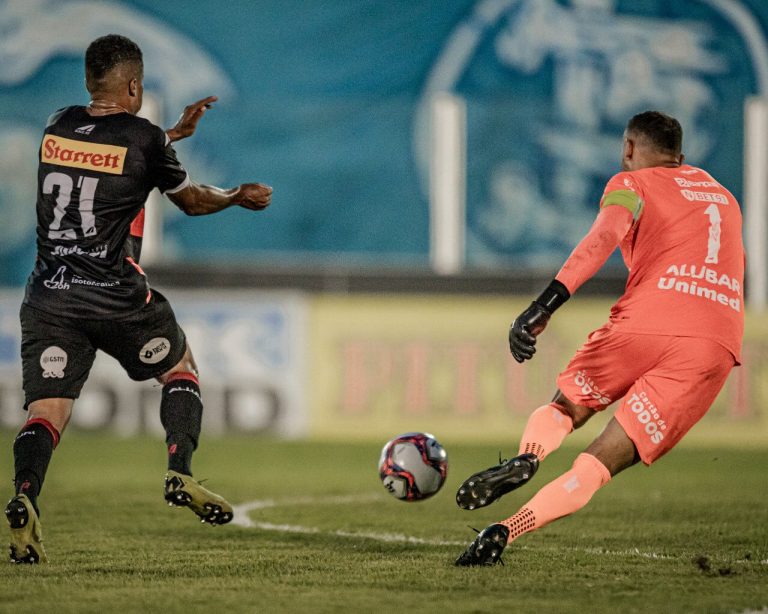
column 241, row 518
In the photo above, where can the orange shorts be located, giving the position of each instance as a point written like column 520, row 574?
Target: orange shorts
column 667, row 383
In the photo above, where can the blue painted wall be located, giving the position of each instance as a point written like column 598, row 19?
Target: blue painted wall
column 325, row 100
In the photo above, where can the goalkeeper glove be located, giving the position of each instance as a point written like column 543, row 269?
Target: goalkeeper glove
column 530, row 324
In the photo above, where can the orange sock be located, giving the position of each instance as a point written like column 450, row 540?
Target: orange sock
column 561, row 497
column 545, row 431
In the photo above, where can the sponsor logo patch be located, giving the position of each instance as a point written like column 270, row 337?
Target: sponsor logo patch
column 79, row 154
column 185, row 389
column 590, row 389
column 85, row 129
column 53, row 360
column 76, row 279
column 154, row 350
column 100, row 251
column 572, row 484
column 703, row 282
column 57, row 282
column 648, row 415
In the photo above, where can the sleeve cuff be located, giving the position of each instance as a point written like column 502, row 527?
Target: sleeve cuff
column 179, row 187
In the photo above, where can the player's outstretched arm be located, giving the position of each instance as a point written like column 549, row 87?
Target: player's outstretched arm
column 611, row 225
column 532, row 322
column 189, row 118
column 196, row 199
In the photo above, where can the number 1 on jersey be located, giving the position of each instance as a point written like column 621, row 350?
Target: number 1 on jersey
column 713, row 243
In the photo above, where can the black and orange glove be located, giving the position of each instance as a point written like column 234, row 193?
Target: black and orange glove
column 532, row 322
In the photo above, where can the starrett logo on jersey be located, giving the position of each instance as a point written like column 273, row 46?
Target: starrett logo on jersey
column 79, row 154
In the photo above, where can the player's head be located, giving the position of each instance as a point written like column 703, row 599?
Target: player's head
column 114, row 67
column 652, row 138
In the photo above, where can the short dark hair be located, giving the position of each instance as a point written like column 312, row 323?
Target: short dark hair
column 109, row 51
column 661, row 130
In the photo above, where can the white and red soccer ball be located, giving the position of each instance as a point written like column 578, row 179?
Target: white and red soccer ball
column 413, row 466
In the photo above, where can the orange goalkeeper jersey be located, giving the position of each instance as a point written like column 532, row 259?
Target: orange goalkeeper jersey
column 684, row 253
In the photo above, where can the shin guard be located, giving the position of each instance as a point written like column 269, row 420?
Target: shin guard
column 181, row 413
column 32, row 451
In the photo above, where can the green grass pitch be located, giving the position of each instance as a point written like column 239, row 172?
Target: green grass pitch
column 688, row 535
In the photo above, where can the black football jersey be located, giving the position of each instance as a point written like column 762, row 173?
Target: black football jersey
column 94, row 177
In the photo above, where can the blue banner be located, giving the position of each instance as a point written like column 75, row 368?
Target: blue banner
column 328, row 103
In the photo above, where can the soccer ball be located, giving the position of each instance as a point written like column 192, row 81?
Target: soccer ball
column 413, row 466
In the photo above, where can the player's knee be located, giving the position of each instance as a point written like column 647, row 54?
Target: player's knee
column 613, row 448
column 187, row 364
column 578, row 413
column 55, row 412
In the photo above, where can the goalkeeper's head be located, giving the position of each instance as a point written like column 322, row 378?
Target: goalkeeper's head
column 652, row 138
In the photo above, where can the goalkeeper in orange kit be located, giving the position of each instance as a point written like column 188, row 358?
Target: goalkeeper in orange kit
column 665, row 353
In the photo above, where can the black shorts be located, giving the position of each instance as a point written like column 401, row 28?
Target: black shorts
column 57, row 352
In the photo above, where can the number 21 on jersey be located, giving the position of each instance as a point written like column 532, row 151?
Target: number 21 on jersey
column 87, row 187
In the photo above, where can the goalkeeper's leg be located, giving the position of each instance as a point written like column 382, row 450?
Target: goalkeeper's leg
column 549, row 425
column 612, row 452
column 545, row 431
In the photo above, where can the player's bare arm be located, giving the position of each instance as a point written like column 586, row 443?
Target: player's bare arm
column 196, row 199
column 189, row 119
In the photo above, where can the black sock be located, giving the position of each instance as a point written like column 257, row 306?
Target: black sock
column 32, row 451
column 181, row 413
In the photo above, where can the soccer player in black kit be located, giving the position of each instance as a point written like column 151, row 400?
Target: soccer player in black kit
column 87, row 292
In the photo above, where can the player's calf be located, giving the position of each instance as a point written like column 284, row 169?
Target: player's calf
column 181, row 412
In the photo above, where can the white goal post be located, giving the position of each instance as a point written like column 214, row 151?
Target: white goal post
column 151, row 244
column 756, row 200
column 447, row 183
